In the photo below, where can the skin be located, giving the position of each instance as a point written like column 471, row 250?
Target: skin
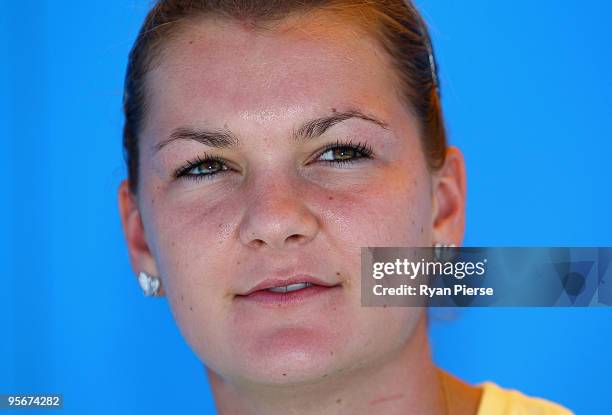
column 280, row 209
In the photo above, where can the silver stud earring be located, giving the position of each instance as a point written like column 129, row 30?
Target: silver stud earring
column 149, row 284
column 440, row 248
column 443, row 245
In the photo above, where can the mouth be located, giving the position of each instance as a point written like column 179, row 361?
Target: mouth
column 290, row 288
column 288, row 291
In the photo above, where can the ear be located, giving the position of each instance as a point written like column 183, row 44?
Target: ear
column 449, row 194
column 133, row 229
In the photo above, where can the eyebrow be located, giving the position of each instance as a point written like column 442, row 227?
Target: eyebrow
column 307, row 131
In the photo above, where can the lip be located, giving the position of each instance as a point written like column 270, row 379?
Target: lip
column 273, row 299
column 280, row 282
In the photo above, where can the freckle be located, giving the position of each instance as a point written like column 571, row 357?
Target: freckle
column 331, row 353
column 246, row 24
column 421, row 228
column 331, row 198
column 337, row 273
column 412, row 221
column 181, row 298
column 325, row 375
column 384, row 305
column 220, row 225
column 190, row 308
column 338, row 401
column 191, row 42
column 284, row 374
column 237, row 262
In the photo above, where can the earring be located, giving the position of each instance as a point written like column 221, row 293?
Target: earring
column 149, row 284
column 440, row 248
column 443, row 245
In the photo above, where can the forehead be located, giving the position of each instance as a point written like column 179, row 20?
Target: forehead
column 218, row 70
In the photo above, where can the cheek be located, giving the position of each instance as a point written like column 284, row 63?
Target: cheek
column 191, row 239
column 396, row 211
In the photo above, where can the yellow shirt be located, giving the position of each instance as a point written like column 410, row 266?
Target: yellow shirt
column 498, row 401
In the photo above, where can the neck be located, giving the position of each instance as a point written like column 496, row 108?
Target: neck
column 406, row 382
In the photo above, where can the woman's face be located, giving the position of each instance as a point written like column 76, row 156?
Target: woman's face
column 290, row 117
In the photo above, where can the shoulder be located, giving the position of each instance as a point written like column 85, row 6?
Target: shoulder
column 499, row 401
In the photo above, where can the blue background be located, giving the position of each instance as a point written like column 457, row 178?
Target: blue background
column 527, row 95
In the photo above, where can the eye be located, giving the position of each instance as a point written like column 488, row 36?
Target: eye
column 201, row 168
column 345, row 152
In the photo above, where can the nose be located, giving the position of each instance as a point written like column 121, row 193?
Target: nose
column 276, row 215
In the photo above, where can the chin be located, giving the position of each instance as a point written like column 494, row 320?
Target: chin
column 291, row 355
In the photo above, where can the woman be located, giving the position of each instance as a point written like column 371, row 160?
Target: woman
column 266, row 142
